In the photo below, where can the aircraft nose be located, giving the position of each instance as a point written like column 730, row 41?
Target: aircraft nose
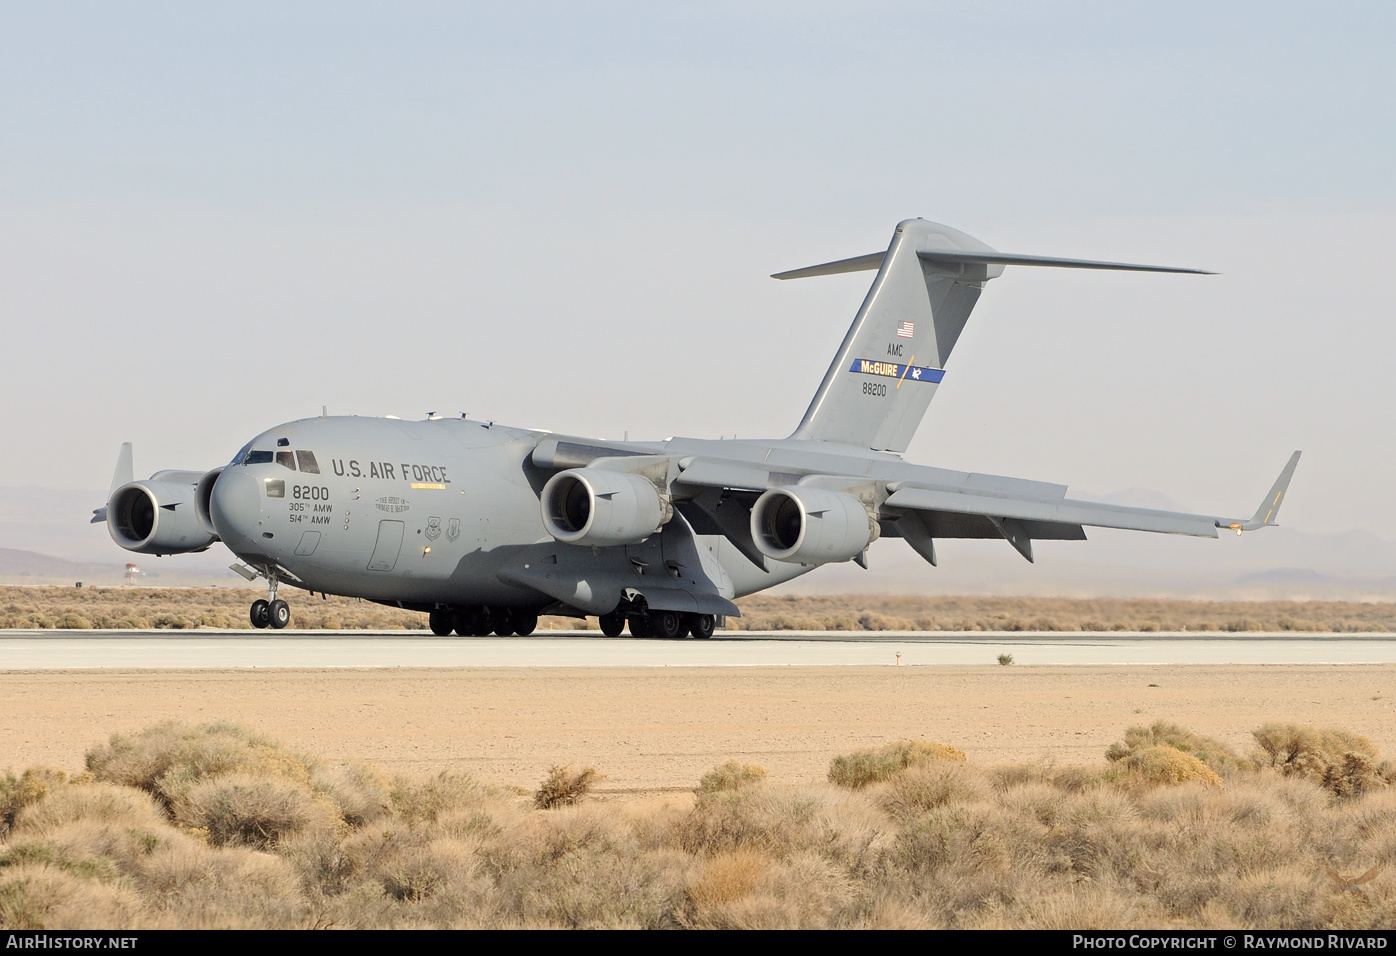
column 234, row 507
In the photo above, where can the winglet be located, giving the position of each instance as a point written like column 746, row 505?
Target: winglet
column 1270, row 506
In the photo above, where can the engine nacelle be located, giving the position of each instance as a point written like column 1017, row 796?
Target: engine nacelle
column 156, row 516
column 203, row 497
column 811, row 526
column 589, row 506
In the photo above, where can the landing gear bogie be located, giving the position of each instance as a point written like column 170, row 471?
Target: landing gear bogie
column 272, row 612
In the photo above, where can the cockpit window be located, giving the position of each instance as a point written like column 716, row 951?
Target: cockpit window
column 307, row 461
column 276, row 488
column 257, row 458
column 242, row 453
column 286, row 460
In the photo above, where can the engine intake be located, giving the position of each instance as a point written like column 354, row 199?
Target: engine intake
column 811, row 526
column 156, row 517
column 602, row 508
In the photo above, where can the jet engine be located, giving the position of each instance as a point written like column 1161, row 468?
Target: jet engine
column 156, row 515
column 810, row 526
column 589, row 506
column 203, row 498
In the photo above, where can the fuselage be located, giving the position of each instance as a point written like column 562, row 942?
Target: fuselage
column 416, row 512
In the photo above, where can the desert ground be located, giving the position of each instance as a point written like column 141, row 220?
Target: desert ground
column 652, row 729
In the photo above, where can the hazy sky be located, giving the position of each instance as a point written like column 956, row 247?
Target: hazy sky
column 214, row 219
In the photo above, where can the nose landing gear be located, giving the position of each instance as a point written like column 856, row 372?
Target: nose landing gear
column 272, row 612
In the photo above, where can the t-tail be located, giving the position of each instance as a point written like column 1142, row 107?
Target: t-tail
column 894, row 356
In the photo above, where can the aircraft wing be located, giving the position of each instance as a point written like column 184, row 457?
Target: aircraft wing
column 915, row 503
column 1016, row 510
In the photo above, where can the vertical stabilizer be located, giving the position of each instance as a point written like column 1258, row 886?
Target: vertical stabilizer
column 893, row 357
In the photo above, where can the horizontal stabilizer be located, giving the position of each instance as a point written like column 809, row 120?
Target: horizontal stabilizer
column 871, row 261
column 1013, row 259
column 874, row 261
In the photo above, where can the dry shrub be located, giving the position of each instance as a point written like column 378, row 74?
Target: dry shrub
column 260, row 812
column 96, row 803
column 926, row 787
column 563, row 788
column 200, row 887
column 1286, row 897
column 42, row 897
column 744, row 890
column 166, row 760
column 1215, row 754
column 1340, row 761
column 585, row 866
column 862, row 767
column 16, row 793
column 732, row 775
column 729, row 876
column 1073, row 908
column 782, row 820
column 431, row 799
column 358, row 791
column 414, row 875
column 1164, row 765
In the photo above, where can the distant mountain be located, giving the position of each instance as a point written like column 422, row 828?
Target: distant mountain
column 54, row 524
column 31, row 568
column 1274, row 564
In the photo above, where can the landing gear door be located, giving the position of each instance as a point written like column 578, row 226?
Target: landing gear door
column 388, row 547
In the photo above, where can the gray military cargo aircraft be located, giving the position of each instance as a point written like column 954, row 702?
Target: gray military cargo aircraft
column 484, row 527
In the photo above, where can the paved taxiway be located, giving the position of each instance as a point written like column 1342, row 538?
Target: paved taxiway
column 206, row 649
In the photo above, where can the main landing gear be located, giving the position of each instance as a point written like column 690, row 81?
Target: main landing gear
column 669, row 625
column 482, row 621
column 272, row 612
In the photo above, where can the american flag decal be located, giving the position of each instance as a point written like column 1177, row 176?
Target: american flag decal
column 906, row 329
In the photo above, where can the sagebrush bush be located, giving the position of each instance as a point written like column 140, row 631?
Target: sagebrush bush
column 247, row 810
column 563, row 788
column 16, row 793
column 732, row 775
column 1344, row 763
column 1166, row 765
column 862, row 767
column 167, row 759
column 1161, row 733
column 928, row 786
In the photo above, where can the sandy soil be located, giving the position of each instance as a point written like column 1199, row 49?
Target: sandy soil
column 653, row 728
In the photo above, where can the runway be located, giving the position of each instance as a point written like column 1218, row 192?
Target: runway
column 210, row 649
